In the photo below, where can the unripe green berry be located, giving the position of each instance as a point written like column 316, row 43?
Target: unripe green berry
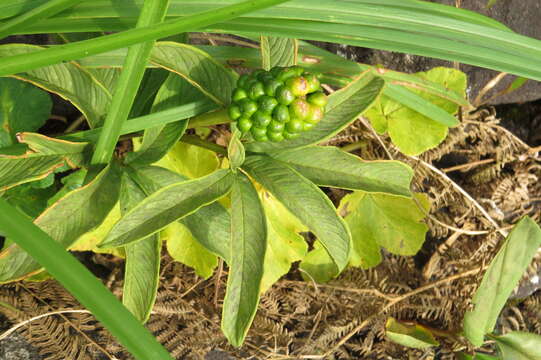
column 306, row 126
column 281, row 113
column 275, row 71
column 265, row 76
column 271, row 86
column 315, row 114
column 242, row 80
column 256, row 73
column 299, row 109
column 275, row 136
column 318, row 99
column 289, row 136
column 248, row 107
column 234, row 112
column 313, row 83
column 298, row 85
column 286, row 74
column 259, row 133
column 244, row 124
column 256, row 90
column 261, row 119
column 298, row 70
column 294, row 126
column 239, row 94
column 267, row 104
column 284, row 95
column 275, row 126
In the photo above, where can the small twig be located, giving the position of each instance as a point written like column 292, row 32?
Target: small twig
column 463, row 192
column 217, row 281
column 26, row 322
column 398, row 299
column 74, row 125
column 489, row 86
column 469, row 165
column 58, row 117
column 365, row 122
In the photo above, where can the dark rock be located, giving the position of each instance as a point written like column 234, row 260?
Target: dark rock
column 15, row 347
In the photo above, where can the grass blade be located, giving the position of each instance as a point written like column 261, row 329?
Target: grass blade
column 81, row 49
column 43, row 11
column 126, row 89
column 81, row 283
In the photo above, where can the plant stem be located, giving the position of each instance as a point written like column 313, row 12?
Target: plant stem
column 164, row 117
column 210, row 118
column 43, row 11
column 61, row 53
column 197, row 141
column 81, row 283
column 130, row 78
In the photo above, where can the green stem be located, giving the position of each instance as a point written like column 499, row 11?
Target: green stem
column 209, row 119
column 43, row 11
column 81, row 283
column 197, row 141
column 24, row 62
column 153, row 12
column 164, row 117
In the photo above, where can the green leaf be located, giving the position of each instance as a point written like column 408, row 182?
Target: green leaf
column 175, row 91
column 150, row 85
column 410, row 130
column 198, row 68
column 392, row 222
column 183, row 247
column 518, row 345
column 70, row 182
column 501, row 277
column 45, row 156
column 477, row 356
column 284, row 244
column 84, row 89
column 23, row 107
column 166, row 205
column 343, row 108
column 73, row 152
column 304, row 199
column 90, row 240
column 70, row 217
column 317, row 265
column 142, row 271
column 248, row 244
column 210, row 225
column 414, row 336
column 330, row 166
column 278, row 51
column 235, row 151
column 29, row 199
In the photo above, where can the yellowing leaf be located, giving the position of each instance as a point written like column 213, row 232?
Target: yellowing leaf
column 414, row 335
column 284, row 244
column 189, row 160
column 182, row 247
column 383, row 220
column 412, row 132
column 90, row 240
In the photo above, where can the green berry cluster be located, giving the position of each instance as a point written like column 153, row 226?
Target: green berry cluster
column 277, row 104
